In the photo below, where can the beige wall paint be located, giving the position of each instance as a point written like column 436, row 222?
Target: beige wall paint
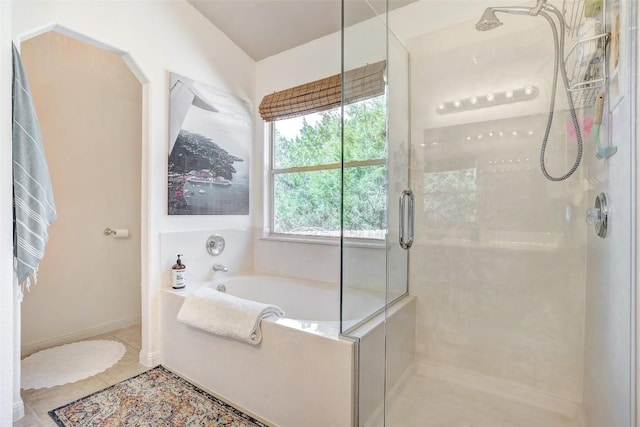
column 90, row 110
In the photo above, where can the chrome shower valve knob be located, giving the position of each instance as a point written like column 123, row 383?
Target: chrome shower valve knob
column 599, row 215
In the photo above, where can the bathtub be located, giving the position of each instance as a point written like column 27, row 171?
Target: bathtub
column 303, row 373
column 309, row 306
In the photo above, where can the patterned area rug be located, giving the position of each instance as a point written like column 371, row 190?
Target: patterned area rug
column 154, row 398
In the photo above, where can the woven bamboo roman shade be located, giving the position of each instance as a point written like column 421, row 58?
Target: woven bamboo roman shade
column 359, row 84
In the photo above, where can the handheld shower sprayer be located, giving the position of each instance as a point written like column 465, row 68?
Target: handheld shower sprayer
column 490, row 21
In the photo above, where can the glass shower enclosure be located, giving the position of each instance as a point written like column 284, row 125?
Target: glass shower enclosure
column 516, row 303
column 373, row 259
column 379, row 266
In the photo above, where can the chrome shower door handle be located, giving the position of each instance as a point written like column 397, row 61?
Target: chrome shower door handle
column 407, row 193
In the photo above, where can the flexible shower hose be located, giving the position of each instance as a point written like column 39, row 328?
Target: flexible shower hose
column 559, row 48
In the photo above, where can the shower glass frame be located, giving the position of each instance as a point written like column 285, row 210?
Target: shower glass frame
column 385, row 260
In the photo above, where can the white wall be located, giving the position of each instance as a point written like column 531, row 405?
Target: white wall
column 611, row 277
column 89, row 106
column 312, row 61
column 270, row 78
column 8, row 289
column 156, row 38
column 425, row 16
column 237, row 255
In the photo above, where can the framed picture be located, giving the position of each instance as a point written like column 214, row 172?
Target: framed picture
column 209, row 149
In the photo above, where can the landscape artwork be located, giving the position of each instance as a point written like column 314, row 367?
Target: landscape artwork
column 209, row 145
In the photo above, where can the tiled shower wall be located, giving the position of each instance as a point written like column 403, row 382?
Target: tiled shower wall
column 498, row 265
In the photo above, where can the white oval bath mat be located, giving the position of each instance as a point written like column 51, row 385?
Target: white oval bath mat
column 69, row 363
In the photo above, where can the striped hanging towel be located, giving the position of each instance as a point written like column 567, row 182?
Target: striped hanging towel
column 33, row 206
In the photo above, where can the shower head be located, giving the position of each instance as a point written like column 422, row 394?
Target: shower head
column 489, row 20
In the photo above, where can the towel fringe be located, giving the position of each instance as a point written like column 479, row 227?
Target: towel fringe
column 26, row 285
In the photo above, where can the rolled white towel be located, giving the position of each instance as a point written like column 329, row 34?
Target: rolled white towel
column 226, row 315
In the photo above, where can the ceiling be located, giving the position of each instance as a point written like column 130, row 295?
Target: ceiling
column 263, row 28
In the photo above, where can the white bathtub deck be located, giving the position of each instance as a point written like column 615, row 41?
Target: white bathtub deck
column 292, row 378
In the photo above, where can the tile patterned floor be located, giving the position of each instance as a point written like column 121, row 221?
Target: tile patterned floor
column 39, row 401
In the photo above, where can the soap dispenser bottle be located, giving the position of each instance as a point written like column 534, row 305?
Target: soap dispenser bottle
column 178, row 274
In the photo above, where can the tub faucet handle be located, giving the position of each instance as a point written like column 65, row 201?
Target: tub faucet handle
column 220, row 267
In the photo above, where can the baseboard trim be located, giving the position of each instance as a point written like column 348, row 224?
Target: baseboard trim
column 103, row 328
column 149, row 359
column 18, row 409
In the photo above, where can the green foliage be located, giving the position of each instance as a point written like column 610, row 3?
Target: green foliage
column 365, row 198
column 308, row 202
column 314, row 145
column 365, row 130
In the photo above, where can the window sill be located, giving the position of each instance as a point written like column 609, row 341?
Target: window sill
column 329, row 241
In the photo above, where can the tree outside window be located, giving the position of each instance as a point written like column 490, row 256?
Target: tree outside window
column 307, row 175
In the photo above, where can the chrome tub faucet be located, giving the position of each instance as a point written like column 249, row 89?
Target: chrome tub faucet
column 220, row 267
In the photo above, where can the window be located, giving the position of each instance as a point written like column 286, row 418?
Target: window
column 306, row 172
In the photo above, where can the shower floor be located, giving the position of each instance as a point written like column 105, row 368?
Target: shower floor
column 427, row 398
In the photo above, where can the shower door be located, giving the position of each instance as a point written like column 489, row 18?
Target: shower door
column 377, row 203
column 375, row 172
